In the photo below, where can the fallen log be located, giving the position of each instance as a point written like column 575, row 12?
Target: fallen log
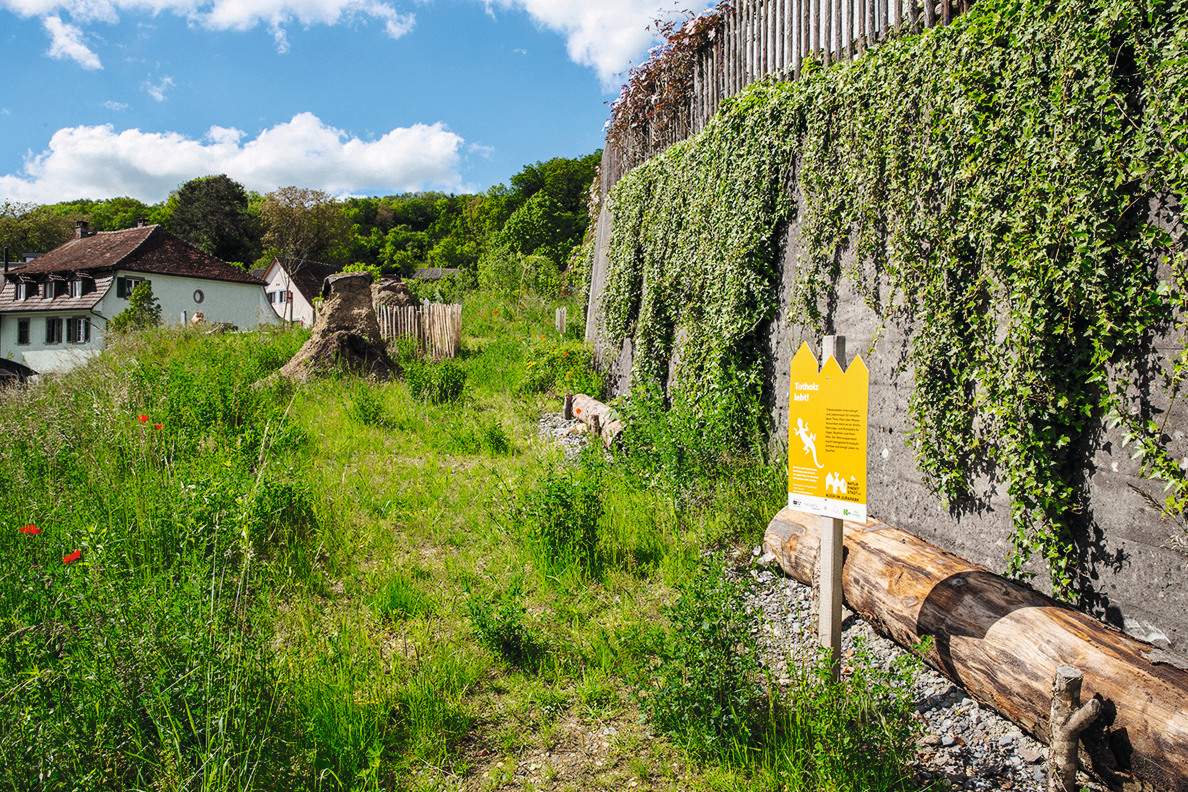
column 1003, row 642
column 601, row 418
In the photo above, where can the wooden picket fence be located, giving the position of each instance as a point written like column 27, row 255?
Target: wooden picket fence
column 437, row 328
column 754, row 39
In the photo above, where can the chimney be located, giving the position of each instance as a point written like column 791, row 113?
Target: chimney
column 82, row 229
column 6, row 259
column 141, row 222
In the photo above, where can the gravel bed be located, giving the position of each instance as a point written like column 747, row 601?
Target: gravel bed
column 969, row 745
column 570, row 436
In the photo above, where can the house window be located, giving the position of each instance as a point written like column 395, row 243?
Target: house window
column 22, row 291
column 53, row 330
column 280, row 297
column 47, row 290
column 125, row 286
column 78, row 330
column 198, row 295
column 23, row 332
column 76, row 288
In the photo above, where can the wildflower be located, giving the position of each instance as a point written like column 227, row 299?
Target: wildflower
column 157, row 427
column 142, row 418
column 77, row 554
column 32, row 530
column 497, row 313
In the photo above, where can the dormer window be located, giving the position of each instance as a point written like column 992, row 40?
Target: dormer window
column 47, row 290
column 22, row 291
column 76, row 287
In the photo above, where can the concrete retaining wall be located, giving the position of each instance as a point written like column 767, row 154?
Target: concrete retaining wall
column 1134, row 579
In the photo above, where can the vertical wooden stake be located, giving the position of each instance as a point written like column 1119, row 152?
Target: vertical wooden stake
column 829, row 575
column 567, row 407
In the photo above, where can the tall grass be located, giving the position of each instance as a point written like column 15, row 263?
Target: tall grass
column 355, row 585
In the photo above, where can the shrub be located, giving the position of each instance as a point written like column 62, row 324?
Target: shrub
column 561, row 367
column 143, row 311
column 707, row 691
column 499, row 626
column 365, row 406
column 435, row 383
column 559, row 515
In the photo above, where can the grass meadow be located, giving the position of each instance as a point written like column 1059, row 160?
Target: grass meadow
column 213, row 580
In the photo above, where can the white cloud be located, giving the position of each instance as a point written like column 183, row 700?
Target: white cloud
column 118, row 107
column 157, row 90
column 603, row 34
column 479, row 149
column 213, row 14
column 66, row 43
column 99, row 162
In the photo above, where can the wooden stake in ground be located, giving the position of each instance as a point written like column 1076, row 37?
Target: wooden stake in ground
column 829, row 575
column 1069, row 719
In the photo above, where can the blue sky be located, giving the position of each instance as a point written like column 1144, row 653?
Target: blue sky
column 370, row 97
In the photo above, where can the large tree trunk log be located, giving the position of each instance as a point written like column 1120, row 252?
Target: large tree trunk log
column 1002, row 642
column 598, row 416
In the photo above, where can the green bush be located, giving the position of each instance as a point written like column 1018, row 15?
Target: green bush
column 561, row 367
column 707, row 691
column 435, row 383
column 365, row 405
column 143, row 311
column 558, row 517
column 499, row 625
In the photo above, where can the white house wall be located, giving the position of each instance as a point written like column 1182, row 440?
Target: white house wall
column 240, row 304
column 279, row 280
column 53, row 358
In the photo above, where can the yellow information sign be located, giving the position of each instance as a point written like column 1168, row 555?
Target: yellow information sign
column 827, row 437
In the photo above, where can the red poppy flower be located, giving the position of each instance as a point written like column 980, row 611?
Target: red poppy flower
column 32, row 530
column 157, row 426
column 497, row 313
column 77, row 554
column 142, row 418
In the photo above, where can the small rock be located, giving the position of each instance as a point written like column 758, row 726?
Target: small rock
column 1030, row 755
column 948, row 740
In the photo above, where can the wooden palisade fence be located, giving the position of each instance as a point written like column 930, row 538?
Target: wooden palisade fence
column 437, row 328
column 748, row 40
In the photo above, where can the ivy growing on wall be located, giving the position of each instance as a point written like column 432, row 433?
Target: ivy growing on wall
column 995, row 179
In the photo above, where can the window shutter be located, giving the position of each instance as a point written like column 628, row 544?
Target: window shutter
column 49, row 331
column 86, row 329
column 121, row 287
column 70, row 334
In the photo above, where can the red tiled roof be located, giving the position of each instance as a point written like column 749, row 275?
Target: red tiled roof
column 307, row 275
column 148, row 249
column 93, row 293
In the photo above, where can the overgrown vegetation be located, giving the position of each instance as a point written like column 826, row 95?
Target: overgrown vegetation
column 212, row 580
column 991, row 180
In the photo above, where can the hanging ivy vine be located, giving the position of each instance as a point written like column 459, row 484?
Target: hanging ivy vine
column 995, row 179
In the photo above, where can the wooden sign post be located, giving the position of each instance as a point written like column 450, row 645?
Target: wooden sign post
column 827, row 463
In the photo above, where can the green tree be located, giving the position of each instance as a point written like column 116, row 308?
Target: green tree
column 27, row 228
column 543, row 227
column 305, row 224
column 212, row 212
column 143, row 311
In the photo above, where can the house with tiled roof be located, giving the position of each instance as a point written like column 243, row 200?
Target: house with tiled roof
column 293, row 285
column 54, row 310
